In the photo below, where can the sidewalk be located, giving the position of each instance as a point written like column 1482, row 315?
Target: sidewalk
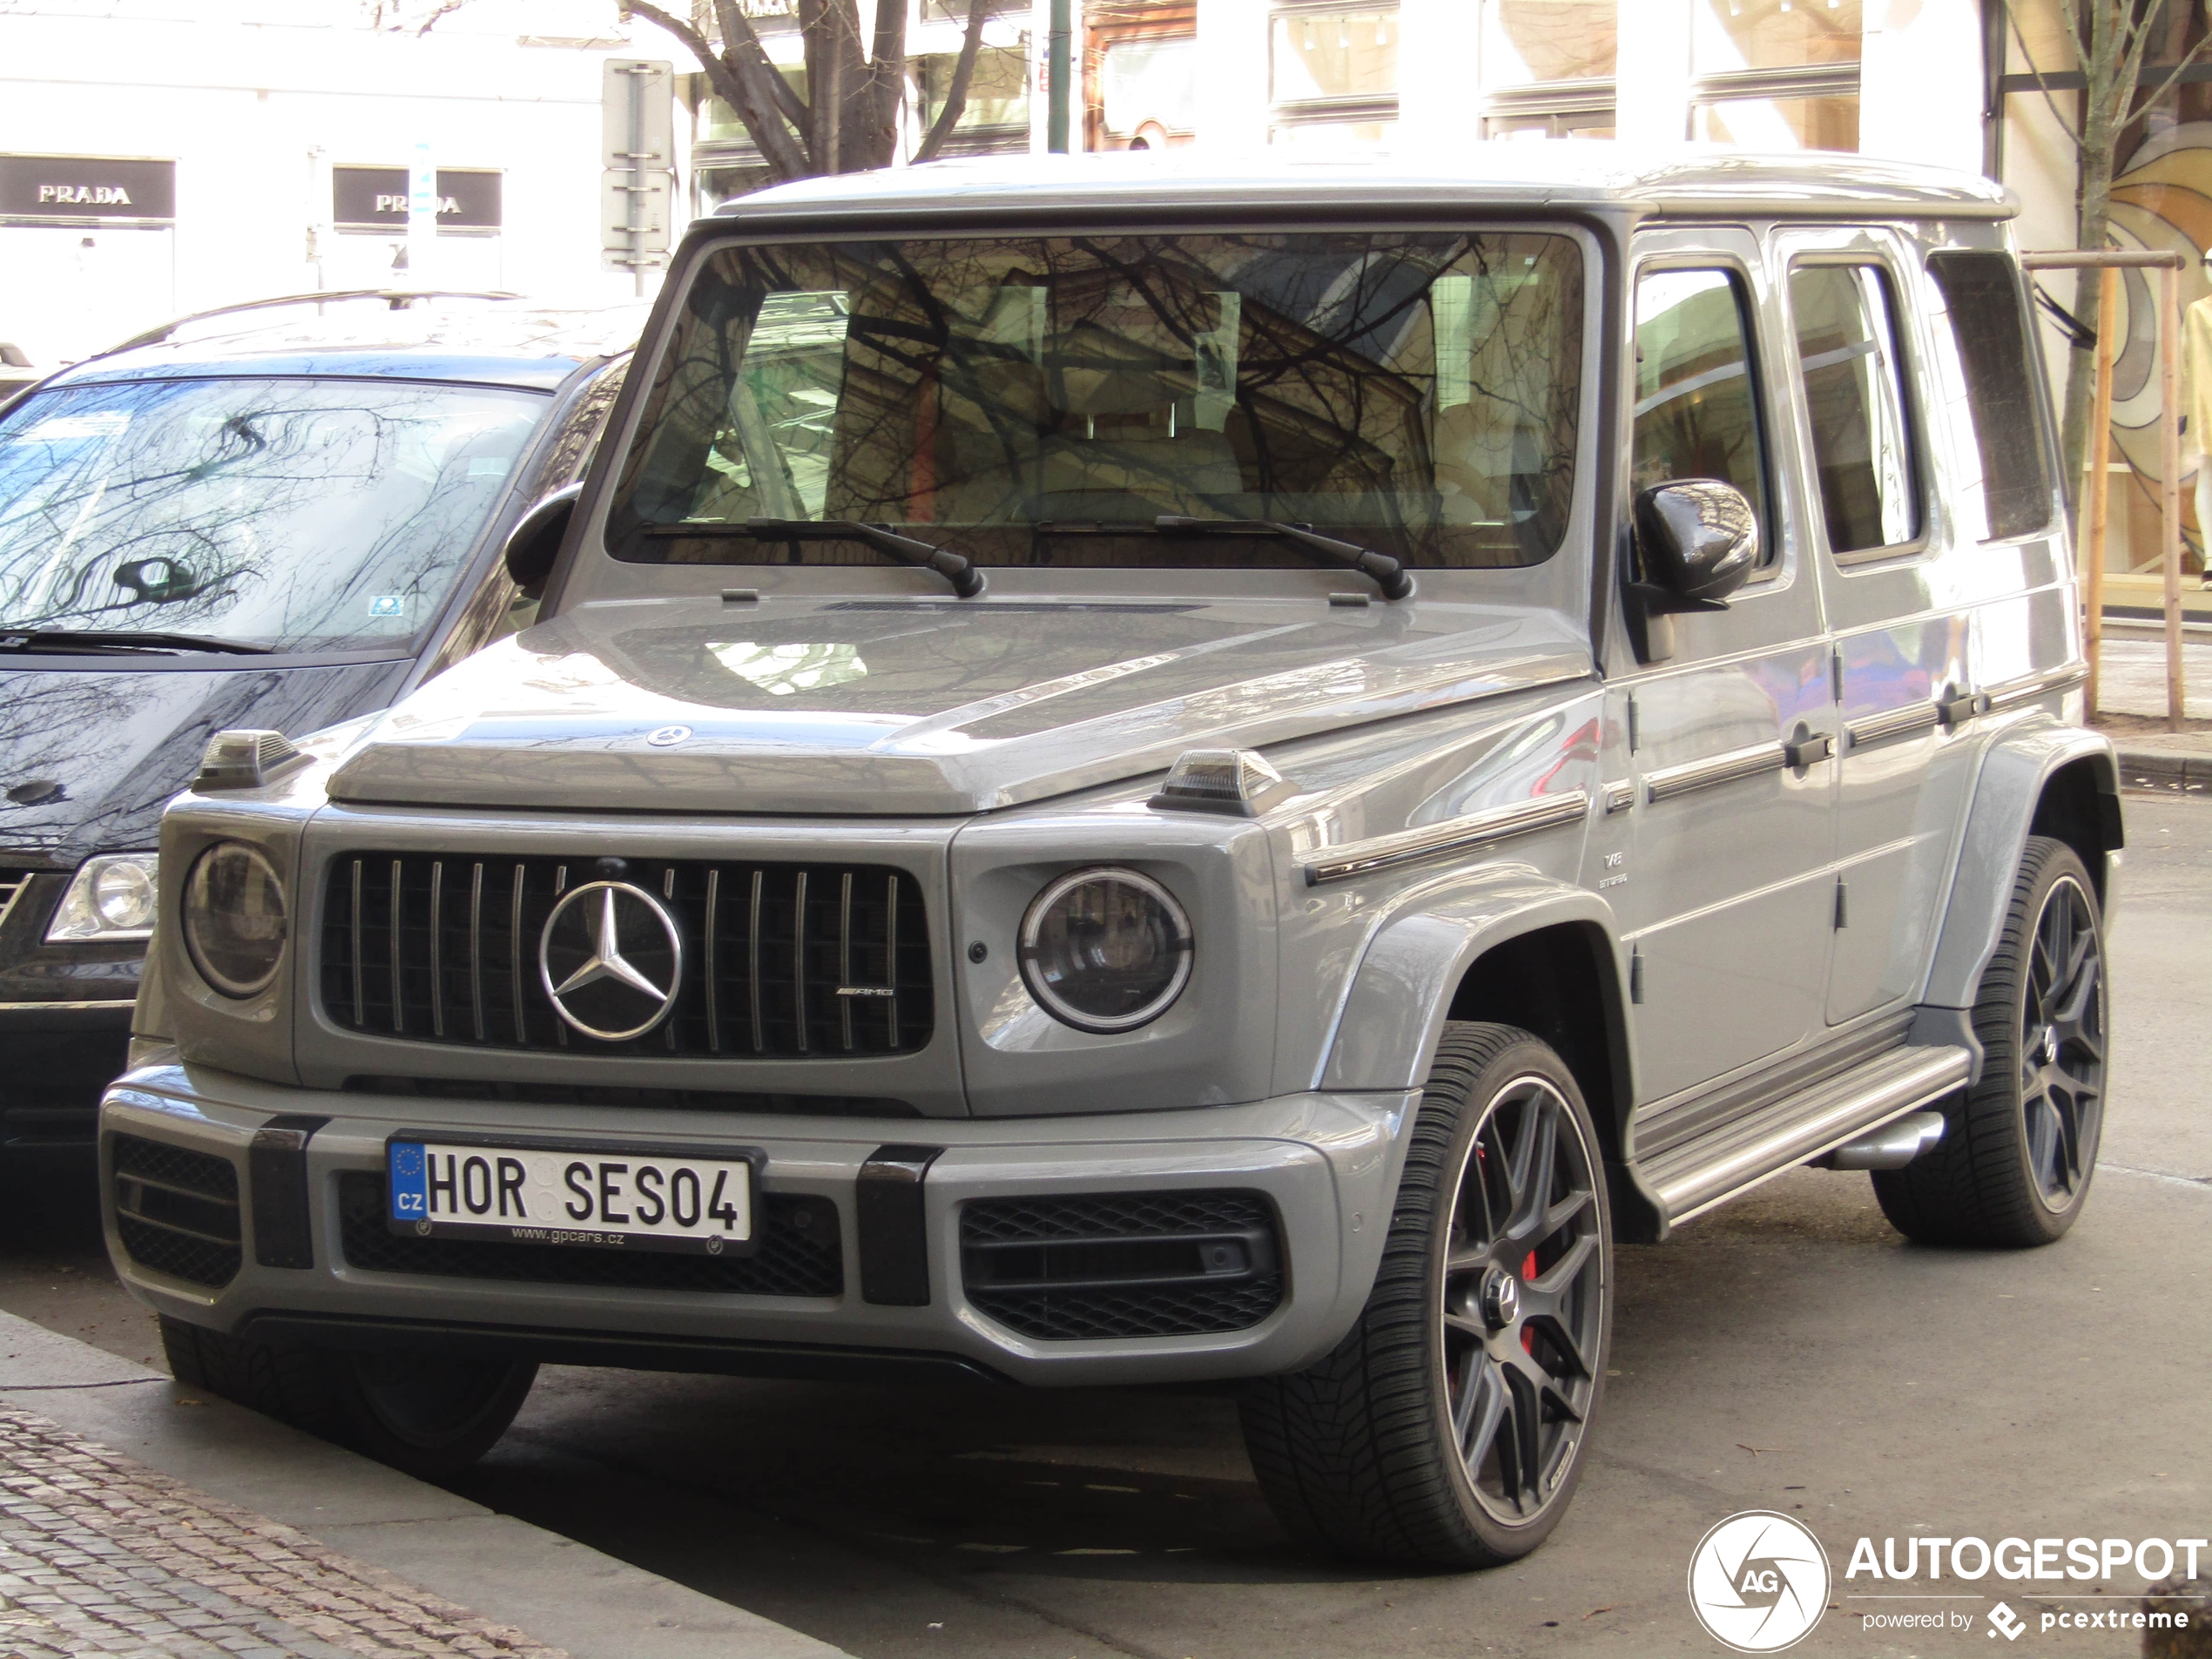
column 139, row 1518
column 2132, row 686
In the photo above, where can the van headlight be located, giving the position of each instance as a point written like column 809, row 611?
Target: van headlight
column 110, row 898
column 234, row 919
column 1105, row 949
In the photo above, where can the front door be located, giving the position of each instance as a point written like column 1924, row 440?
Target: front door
column 1729, row 904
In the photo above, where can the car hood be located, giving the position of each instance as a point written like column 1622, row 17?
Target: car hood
column 912, row 707
column 89, row 757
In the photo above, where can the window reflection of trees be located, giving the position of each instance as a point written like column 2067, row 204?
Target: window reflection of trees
column 299, row 513
column 970, row 390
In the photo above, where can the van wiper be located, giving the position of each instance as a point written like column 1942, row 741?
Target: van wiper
column 65, row 641
column 1388, row 573
column 967, row 580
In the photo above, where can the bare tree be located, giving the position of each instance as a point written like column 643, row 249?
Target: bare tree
column 2111, row 38
column 848, row 121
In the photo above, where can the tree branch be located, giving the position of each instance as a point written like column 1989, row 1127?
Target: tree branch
column 2042, row 86
column 785, row 159
column 2167, row 85
column 956, row 94
column 742, row 43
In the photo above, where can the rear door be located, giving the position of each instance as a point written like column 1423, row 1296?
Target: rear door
column 1728, row 904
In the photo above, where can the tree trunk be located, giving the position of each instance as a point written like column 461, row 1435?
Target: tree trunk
column 2081, row 449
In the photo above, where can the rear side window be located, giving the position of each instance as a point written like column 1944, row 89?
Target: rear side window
column 1697, row 410
column 1992, row 407
column 1845, row 317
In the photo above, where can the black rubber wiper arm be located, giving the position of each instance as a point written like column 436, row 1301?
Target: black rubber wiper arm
column 967, row 580
column 1387, row 573
column 63, row 640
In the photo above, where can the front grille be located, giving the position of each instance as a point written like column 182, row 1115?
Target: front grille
column 177, row 1210
column 801, row 1252
column 11, row 883
column 785, row 961
column 1122, row 1263
column 624, row 1094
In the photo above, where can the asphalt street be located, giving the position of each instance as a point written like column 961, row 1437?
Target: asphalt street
column 1790, row 1352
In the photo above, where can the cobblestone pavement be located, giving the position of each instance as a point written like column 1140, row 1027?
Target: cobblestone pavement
column 99, row 1555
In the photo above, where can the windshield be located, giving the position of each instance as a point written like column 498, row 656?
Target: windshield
column 297, row 514
column 1043, row 401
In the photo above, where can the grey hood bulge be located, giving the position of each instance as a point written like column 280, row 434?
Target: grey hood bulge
column 90, row 757
column 917, row 708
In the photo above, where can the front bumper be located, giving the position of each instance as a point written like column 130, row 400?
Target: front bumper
column 1327, row 1164
column 60, row 1054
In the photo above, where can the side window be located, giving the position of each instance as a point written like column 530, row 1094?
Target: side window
column 1991, row 394
column 1845, row 316
column 1697, row 407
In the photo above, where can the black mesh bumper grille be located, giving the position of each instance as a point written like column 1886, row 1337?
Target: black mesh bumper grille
column 1122, row 1264
column 800, row 1253
column 177, row 1210
column 784, row 961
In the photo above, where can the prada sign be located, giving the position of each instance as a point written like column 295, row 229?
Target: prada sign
column 72, row 190
column 374, row 199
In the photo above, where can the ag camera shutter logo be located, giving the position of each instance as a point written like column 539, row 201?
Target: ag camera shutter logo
column 1758, row 1581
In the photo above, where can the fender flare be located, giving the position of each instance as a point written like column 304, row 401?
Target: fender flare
column 2014, row 771
column 1400, row 990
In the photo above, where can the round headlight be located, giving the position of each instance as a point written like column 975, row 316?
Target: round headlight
column 233, row 918
column 1105, row 950
column 122, row 896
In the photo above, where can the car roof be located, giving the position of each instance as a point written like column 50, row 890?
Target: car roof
column 1692, row 181
column 492, row 342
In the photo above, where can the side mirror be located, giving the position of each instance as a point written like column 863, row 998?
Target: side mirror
column 1698, row 540
column 535, row 540
column 155, row 581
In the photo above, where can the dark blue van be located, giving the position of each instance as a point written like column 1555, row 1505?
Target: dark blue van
column 261, row 519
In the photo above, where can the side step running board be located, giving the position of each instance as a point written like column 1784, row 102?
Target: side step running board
column 1691, row 1178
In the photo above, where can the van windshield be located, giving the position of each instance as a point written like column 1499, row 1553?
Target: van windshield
column 297, row 514
column 1046, row 401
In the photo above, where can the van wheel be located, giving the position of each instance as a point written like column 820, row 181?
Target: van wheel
column 430, row 1413
column 1448, row 1428
column 2020, row 1148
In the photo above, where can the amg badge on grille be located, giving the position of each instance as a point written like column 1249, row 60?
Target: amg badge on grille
column 611, row 958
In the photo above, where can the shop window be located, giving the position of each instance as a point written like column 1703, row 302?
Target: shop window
column 1781, row 123
column 998, row 91
column 1992, row 398
column 1527, row 42
column 1775, row 34
column 1843, row 319
column 1149, row 90
column 1697, row 405
column 1777, row 74
column 1321, row 54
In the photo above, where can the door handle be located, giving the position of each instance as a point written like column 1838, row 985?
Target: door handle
column 1809, row 752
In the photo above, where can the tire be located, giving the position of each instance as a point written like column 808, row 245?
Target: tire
column 2020, row 1148
column 1362, row 1456
column 430, row 1413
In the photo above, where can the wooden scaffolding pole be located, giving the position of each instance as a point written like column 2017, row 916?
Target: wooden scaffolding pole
column 2093, row 538
column 2168, row 266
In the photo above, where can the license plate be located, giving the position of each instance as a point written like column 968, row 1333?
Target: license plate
column 622, row 1199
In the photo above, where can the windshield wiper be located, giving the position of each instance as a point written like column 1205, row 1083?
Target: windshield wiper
column 65, row 640
column 967, row 580
column 1388, row 573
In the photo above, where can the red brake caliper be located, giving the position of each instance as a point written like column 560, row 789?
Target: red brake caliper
column 1529, row 1272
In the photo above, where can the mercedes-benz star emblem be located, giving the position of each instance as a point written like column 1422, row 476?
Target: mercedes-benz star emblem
column 611, row 958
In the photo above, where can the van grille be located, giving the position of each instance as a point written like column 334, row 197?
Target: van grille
column 176, row 1210
column 784, row 961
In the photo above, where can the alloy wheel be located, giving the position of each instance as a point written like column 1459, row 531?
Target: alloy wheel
column 2062, row 1045
column 1524, row 1299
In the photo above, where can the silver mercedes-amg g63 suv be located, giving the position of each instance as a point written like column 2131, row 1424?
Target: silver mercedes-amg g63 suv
column 1145, row 775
